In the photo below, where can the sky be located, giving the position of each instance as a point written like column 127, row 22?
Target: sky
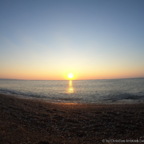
column 93, row 39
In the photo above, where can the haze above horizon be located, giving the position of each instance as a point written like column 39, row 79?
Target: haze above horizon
column 92, row 39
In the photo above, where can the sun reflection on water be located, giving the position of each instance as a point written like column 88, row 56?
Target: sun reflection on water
column 70, row 87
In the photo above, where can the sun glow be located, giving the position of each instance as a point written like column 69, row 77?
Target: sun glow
column 70, row 76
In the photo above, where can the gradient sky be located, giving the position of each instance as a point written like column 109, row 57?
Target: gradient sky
column 94, row 39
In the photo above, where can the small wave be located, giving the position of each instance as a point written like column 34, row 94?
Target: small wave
column 41, row 96
column 84, row 98
column 19, row 93
column 124, row 96
column 6, row 91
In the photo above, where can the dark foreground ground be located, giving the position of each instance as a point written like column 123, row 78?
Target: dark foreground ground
column 24, row 121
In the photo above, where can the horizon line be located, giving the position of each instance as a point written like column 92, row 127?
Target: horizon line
column 72, row 80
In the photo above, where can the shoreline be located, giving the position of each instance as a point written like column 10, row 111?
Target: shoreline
column 32, row 121
column 46, row 100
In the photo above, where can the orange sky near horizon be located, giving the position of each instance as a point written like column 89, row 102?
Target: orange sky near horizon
column 63, row 75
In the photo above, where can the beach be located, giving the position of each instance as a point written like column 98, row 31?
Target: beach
column 31, row 121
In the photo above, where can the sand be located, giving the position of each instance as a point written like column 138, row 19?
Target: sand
column 25, row 121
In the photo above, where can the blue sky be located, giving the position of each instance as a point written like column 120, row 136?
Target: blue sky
column 46, row 39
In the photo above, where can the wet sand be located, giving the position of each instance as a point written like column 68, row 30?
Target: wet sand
column 25, row 121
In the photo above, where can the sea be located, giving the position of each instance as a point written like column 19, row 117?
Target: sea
column 109, row 91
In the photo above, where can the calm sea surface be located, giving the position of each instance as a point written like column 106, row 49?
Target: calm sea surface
column 78, row 91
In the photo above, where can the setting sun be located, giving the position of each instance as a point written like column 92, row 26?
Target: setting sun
column 70, row 75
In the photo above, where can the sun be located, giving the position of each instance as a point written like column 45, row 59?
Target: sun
column 70, row 75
